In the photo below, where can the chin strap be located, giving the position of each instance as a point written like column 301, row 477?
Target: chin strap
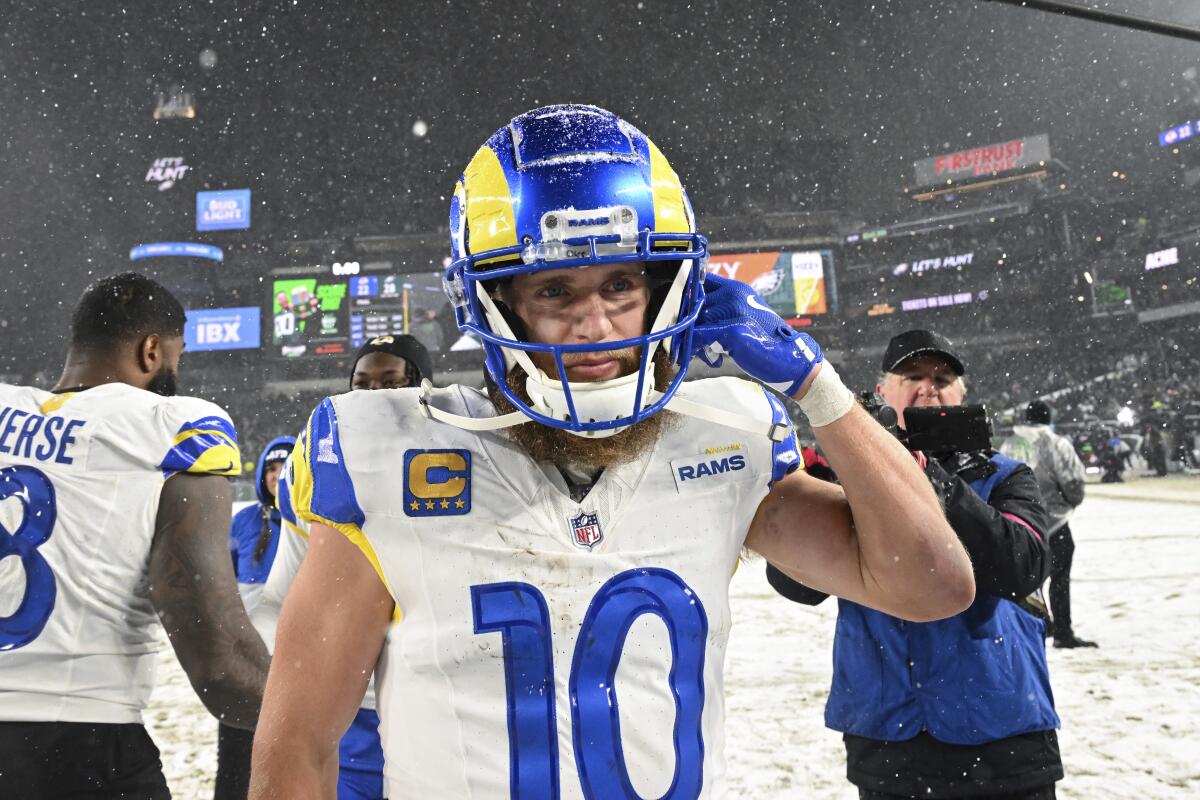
column 775, row 431
column 430, row 411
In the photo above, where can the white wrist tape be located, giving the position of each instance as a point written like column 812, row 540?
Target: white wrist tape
column 827, row 398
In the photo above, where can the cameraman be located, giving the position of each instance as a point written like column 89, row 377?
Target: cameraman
column 961, row 707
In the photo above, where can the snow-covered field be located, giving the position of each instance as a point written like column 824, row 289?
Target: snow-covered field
column 1130, row 710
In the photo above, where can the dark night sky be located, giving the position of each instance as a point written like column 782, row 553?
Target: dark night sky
column 791, row 106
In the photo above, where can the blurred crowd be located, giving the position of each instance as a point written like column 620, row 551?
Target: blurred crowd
column 1128, row 399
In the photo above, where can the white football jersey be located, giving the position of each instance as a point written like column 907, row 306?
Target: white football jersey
column 543, row 647
column 80, row 477
column 268, row 602
column 264, row 614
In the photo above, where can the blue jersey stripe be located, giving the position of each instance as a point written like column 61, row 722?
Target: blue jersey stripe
column 333, row 496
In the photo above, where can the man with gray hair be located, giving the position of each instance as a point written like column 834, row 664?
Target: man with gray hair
column 1060, row 477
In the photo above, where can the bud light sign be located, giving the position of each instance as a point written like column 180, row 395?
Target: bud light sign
column 222, row 329
column 223, row 211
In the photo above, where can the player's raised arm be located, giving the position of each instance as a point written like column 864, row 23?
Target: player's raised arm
column 881, row 538
column 331, row 627
column 194, row 590
column 331, row 630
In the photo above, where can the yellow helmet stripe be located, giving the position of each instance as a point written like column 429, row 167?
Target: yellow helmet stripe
column 490, row 220
column 670, row 211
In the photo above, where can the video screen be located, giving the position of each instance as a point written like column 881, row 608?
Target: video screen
column 915, row 275
column 309, row 316
column 331, row 315
column 796, row 285
column 384, row 304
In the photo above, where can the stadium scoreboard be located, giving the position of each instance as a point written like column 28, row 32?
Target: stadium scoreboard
column 331, row 310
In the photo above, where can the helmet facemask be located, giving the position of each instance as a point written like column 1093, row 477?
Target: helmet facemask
column 569, row 187
column 593, row 409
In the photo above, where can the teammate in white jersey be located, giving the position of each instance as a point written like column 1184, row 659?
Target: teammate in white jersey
column 548, row 604
column 391, row 361
column 115, row 508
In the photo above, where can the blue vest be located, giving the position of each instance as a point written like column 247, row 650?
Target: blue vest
column 974, row 678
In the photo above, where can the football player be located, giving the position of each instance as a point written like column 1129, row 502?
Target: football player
column 385, row 362
column 548, row 604
column 115, row 503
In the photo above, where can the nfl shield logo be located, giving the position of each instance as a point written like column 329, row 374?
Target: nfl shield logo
column 585, row 529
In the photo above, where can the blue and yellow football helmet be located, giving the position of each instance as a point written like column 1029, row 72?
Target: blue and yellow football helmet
column 574, row 186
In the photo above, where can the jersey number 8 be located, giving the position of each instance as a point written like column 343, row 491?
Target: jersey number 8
column 39, row 511
column 519, row 613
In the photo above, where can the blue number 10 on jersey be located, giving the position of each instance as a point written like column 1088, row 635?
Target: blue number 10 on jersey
column 518, row 611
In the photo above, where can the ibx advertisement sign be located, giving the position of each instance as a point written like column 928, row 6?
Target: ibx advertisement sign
column 223, row 211
column 222, row 328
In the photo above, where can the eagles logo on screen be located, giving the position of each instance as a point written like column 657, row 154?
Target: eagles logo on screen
column 437, row 483
column 768, row 282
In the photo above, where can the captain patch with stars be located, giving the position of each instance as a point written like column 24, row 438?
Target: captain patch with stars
column 437, row 483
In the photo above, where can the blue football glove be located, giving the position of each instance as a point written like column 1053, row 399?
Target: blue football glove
column 735, row 321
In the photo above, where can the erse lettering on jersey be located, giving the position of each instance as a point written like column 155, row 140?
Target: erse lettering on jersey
column 36, row 436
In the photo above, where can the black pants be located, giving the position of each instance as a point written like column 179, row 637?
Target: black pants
column 79, row 761
column 233, row 763
column 1040, row 793
column 1062, row 551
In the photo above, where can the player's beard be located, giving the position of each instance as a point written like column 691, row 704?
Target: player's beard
column 164, row 382
column 560, row 447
